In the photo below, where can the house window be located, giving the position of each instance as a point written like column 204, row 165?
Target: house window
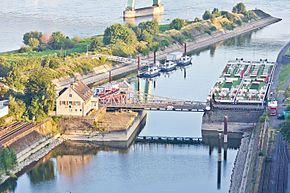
column 78, row 103
column 69, row 106
column 70, row 102
column 63, row 102
column 70, row 95
column 76, row 110
column 80, row 109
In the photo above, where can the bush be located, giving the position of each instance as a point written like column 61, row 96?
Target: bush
column 212, row 28
column 122, row 49
column 25, row 49
column 177, row 24
column 164, row 43
column 207, row 15
column 179, row 38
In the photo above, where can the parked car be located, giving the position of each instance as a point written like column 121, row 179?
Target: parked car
column 280, row 117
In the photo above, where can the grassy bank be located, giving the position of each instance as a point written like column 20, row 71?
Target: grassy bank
column 283, row 76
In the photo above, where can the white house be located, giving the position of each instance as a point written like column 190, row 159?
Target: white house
column 4, row 108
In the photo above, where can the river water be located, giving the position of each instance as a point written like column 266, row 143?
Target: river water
column 141, row 168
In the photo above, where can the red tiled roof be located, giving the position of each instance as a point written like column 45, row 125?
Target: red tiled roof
column 82, row 90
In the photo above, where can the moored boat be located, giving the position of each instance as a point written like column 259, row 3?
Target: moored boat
column 151, row 72
column 184, row 61
column 168, row 66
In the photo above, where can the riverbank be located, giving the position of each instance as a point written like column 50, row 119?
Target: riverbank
column 32, row 155
column 102, row 73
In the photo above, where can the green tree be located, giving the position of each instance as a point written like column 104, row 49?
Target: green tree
column 239, row 8
column 122, row 49
column 207, row 15
column 96, row 42
column 7, row 159
column 58, row 40
column 40, row 94
column 27, row 36
column 16, row 107
column 118, row 32
column 177, row 24
column 146, row 36
column 151, row 27
column 215, row 12
column 33, row 42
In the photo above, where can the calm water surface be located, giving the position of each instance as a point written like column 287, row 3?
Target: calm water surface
column 141, row 168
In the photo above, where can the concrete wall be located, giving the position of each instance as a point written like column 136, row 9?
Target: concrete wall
column 240, row 116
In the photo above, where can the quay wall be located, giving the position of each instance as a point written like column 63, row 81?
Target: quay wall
column 234, row 115
column 125, row 136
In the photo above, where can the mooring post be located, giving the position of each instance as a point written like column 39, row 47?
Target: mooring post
column 210, row 150
column 154, row 57
column 110, row 76
column 184, row 73
column 138, row 63
column 225, row 151
column 185, row 51
column 219, row 160
column 154, row 84
column 225, row 129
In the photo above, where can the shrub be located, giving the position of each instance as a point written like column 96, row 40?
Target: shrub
column 177, row 24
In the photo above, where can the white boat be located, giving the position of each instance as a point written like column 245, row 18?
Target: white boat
column 168, row 66
column 151, row 72
column 184, row 61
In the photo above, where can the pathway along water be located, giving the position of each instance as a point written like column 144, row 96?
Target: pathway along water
column 141, row 168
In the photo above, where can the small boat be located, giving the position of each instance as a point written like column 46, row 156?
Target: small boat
column 184, row 61
column 168, row 66
column 151, row 72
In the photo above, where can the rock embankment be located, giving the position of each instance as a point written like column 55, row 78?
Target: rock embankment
column 34, row 154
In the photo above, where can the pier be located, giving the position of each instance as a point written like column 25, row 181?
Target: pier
column 131, row 12
column 169, row 140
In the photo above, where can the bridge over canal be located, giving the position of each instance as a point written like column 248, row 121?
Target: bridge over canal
column 143, row 101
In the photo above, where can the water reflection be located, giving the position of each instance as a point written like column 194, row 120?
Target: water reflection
column 42, row 172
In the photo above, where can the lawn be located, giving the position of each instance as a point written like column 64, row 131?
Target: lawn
column 283, row 76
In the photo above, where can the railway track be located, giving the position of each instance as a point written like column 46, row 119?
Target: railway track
column 14, row 131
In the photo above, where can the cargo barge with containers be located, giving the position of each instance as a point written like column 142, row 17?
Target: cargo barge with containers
column 243, row 83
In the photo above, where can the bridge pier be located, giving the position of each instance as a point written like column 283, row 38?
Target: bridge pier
column 130, row 12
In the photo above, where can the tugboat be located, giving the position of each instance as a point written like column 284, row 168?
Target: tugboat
column 184, row 61
column 168, row 66
column 151, row 72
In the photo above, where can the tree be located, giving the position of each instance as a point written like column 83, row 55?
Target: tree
column 146, row 36
column 118, row 32
column 239, row 8
column 33, row 43
column 207, row 15
column 151, row 27
column 16, row 107
column 122, row 49
column 7, row 159
column 215, row 12
column 96, row 42
column 30, row 35
column 177, row 24
column 45, row 38
column 40, row 94
column 58, row 40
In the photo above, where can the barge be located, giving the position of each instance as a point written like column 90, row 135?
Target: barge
column 243, row 83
